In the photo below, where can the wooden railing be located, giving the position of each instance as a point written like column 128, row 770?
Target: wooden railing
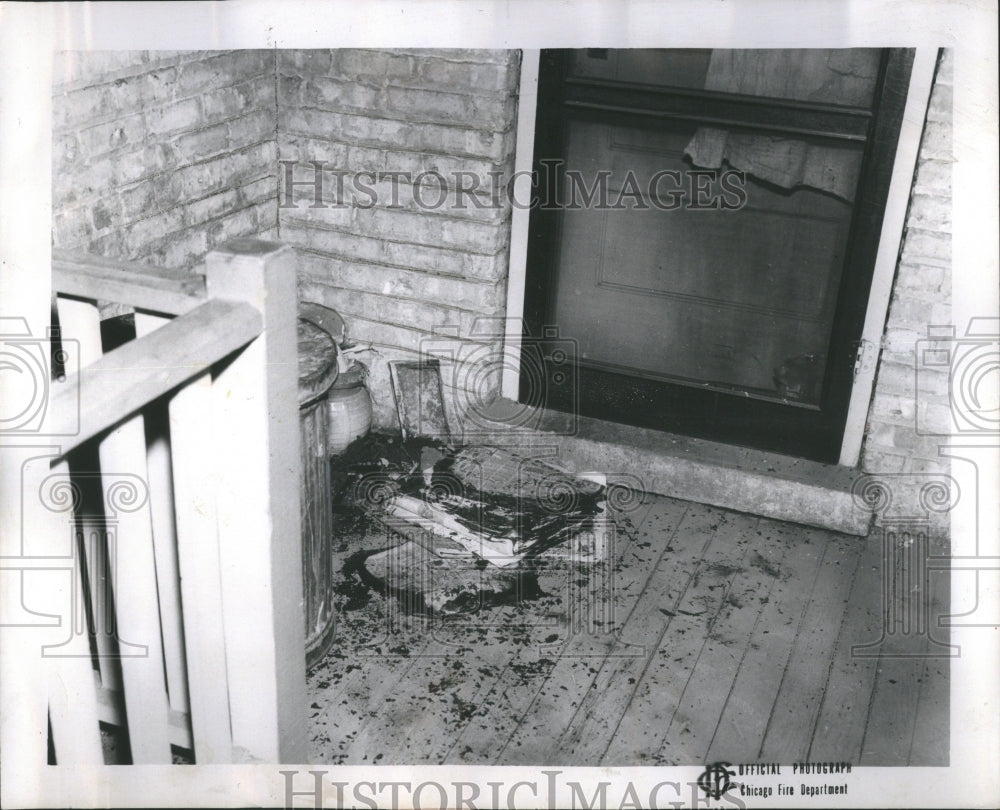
column 177, row 477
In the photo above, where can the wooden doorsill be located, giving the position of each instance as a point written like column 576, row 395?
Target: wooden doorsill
column 743, row 479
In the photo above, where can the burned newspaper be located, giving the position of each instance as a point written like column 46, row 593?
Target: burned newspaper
column 487, row 501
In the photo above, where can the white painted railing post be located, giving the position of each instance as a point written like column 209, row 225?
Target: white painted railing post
column 255, row 419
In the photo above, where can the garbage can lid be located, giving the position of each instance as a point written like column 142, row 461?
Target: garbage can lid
column 325, row 318
column 317, row 362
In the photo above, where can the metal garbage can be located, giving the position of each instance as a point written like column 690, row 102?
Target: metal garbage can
column 317, row 371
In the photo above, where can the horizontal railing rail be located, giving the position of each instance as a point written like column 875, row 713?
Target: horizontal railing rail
column 120, row 383
column 145, row 287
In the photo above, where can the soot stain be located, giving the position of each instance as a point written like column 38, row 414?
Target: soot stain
column 769, row 568
column 358, row 585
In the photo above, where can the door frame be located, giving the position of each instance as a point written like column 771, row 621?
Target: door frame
column 907, row 147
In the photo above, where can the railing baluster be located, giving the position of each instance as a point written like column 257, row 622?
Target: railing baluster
column 200, row 519
column 72, row 698
column 126, row 379
column 125, row 482
column 161, row 490
column 125, row 487
column 79, row 321
column 191, row 437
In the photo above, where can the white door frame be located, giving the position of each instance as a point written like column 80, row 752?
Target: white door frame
column 917, row 97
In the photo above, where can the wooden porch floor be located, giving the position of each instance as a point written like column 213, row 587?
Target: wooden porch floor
column 708, row 635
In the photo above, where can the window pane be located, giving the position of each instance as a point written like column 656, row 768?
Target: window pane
column 838, row 76
column 738, row 298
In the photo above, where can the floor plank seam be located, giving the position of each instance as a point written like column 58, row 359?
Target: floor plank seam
column 542, row 686
column 791, row 651
column 659, row 639
column 746, row 648
column 704, row 635
column 833, row 657
column 704, row 643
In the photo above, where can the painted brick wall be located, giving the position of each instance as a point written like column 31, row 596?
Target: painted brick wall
column 160, row 156
column 407, row 277
column 900, row 416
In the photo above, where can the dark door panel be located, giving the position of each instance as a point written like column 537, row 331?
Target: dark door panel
column 723, row 304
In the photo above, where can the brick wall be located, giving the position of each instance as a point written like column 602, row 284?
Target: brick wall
column 160, row 156
column 921, row 297
column 406, row 276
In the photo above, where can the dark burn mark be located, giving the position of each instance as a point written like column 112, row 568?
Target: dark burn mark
column 757, row 561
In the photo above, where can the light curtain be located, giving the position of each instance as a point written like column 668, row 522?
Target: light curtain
column 845, row 77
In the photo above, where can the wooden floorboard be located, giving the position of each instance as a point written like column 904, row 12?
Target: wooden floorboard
column 688, row 737
column 931, row 740
column 691, row 595
column 508, row 704
column 746, row 628
column 368, row 680
column 889, row 733
column 504, row 704
column 444, row 687
column 571, row 683
column 912, row 678
column 744, row 717
column 435, row 693
column 597, row 720
column 843, row 714
column 932, row 725
column 803, row 682
column 374, row 645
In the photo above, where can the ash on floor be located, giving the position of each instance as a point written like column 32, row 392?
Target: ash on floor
column 457, row 530
column 451, row 617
